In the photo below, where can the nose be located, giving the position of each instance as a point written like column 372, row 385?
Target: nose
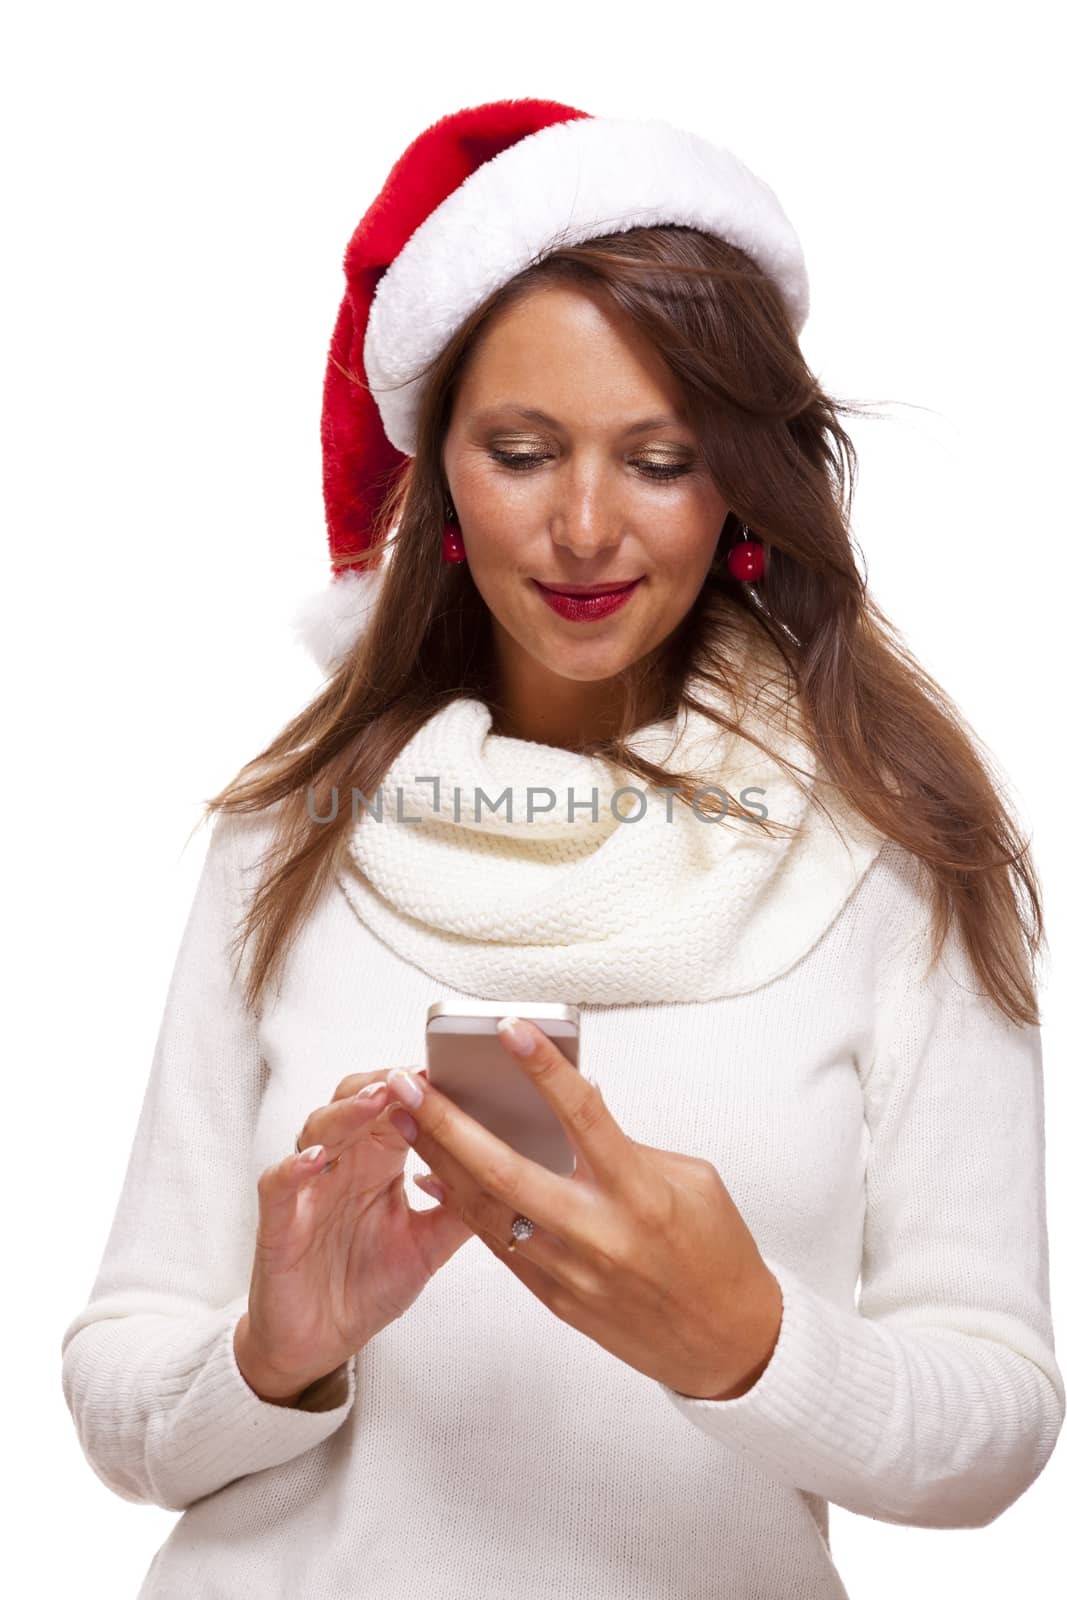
column 586, row 521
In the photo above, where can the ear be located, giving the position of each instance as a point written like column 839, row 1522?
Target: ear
column 330, row 621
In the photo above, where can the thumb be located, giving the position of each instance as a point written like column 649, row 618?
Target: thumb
column 443, row 1230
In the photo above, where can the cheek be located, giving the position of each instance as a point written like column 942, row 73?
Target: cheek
column 508, row 524
column 494, row 561
column 503, row 523
column 684, row 554
column 499, row 534
column 489, row 491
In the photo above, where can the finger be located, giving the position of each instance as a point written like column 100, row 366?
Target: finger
column 579, row 1105
column 469, row 1160
column 311, row 1159
column 280, row 1185
column 355, row 1081
column 334, row 1125
column 670, row 1158
column 544, row 1262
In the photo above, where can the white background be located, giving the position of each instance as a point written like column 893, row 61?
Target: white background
column 181, row 184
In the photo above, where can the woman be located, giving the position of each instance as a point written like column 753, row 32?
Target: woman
column 757, row 848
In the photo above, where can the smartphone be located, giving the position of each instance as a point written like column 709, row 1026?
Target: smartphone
column 467, row 1061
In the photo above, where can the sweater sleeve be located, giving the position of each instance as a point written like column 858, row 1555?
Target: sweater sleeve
column 936, row 1401
column 161, row 1409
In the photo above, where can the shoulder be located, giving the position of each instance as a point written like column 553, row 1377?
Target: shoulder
column 239, row 845
column 909, row 963
column 901, row 883
column 893, row 907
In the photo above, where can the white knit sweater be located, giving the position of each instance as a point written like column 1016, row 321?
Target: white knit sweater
column 879, row 1131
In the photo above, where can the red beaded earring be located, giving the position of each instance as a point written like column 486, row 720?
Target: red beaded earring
column 453, row 540
column 745, row 559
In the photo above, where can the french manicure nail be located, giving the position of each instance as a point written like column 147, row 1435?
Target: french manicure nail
column 406, row 1087
column 518, row 1034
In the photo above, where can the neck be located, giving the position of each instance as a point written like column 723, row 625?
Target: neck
column 564, row 727
column 529, row 703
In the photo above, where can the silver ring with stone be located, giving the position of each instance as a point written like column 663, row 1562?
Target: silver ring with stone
column 521, row 1228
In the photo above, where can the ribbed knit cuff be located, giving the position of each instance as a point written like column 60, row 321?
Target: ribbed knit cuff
column 220, row 1429
column 814, row 1417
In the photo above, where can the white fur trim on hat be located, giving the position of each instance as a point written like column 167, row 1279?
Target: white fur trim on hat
column 329, row 622
column 568, row 182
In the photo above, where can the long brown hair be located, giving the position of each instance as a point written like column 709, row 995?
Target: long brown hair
column 887, row 736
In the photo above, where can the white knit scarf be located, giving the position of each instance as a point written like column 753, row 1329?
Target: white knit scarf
column 626, row 908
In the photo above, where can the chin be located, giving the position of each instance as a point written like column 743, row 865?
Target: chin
column 572, row 668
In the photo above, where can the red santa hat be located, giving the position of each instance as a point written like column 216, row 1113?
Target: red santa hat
column 473, row 200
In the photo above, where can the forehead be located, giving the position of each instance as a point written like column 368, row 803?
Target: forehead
column 560, row 359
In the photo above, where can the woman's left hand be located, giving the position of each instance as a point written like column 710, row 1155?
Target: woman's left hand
column 642, row 1250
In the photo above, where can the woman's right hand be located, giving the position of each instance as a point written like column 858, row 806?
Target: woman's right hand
column 339, row 1252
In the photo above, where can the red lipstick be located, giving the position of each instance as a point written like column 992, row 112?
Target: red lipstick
column 587, row 606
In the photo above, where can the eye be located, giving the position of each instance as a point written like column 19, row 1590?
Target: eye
column 522, row 461
column 660, row 469
column 517, row 461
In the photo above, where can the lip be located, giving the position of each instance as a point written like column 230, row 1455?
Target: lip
column 589, row 591
column 587, row 607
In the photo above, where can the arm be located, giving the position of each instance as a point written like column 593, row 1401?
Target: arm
column 150, row 1374
column 938, row 1401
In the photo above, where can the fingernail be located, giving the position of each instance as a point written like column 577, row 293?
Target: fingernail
column 518, row 1034
column 406, row 1126
column 430, row 1185
column 369, row 1090
column 406, row 1087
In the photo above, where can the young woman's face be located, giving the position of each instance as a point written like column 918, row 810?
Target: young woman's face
column 588, row 496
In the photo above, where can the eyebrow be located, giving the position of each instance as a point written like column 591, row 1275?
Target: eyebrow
column 666, row 420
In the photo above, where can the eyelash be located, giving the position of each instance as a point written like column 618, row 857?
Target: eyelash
column 510, row 460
